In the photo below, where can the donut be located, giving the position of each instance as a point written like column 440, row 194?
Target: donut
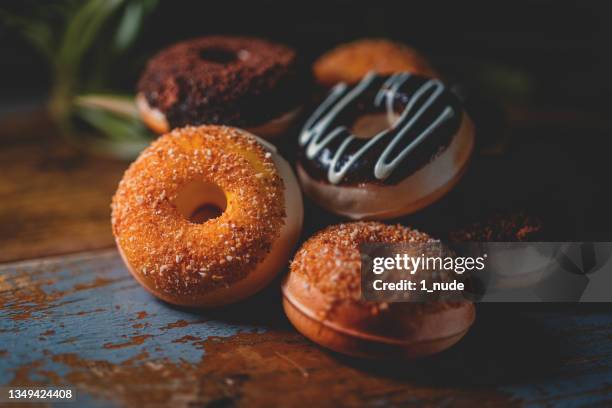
column 386, row 147
column 351, row 62
column 207, row 216
column 513, row 262
column 516, row 226
column 322, row 299
column 238, row 81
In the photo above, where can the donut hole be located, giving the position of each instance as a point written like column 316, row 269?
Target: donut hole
column 200, row 201
column 218, row 55
column 369, row 125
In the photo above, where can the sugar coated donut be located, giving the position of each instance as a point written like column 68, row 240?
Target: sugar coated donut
column 238, row 81
column 322, row 298
column 386, row 147
column 207, row 215
column 351, row 62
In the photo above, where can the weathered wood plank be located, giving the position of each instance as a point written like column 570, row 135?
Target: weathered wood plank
column 53, row 199
column 82, row 320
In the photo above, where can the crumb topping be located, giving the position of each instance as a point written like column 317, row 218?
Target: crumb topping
column 180, row 257
column 249, row 81
column 330, row 260
column 518, row 227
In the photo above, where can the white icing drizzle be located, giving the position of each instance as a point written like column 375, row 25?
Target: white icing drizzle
column 315, row 136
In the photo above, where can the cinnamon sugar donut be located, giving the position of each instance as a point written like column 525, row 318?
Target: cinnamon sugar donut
column 322, row 298
column 386, row 147
column 237, row 81
column 206, row 216
column 350, row 62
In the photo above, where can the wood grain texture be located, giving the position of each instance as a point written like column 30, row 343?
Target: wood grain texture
column 82, row 320
column 53, row 199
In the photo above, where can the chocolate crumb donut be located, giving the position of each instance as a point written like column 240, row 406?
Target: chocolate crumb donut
column 238, row 81
column 511, row 233
column 513, row 227
column 322, row 297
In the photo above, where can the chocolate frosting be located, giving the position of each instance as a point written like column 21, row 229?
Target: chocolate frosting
column 429, row 116
column 235, row 81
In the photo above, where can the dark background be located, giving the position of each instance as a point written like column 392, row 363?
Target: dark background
column 537, row 73
column 563, row 46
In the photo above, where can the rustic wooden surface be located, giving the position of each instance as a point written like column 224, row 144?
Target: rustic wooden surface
column 53, row 200
column 80, row 319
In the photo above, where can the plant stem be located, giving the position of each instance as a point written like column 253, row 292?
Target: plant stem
column 60, row 104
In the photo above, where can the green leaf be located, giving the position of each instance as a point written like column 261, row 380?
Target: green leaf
column 131, row 22
column 82, row 30
column 113, row 126
column 128, row 26
column 121, row 105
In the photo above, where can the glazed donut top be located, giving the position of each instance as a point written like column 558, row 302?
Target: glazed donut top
column 222, row 80
column 424, row 117
column 350, row 62
column 330, row 260
column 183, row 257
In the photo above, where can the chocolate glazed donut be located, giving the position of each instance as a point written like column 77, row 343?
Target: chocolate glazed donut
column 386, row 147
column 238, row 81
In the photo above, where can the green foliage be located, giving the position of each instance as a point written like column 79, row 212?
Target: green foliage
column 80, row 40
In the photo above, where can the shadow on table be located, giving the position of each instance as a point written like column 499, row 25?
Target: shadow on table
column 503, row 347
column 263, row 310
column 508, row 344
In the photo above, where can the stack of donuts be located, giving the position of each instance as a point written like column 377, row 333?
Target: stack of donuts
column 210, row 212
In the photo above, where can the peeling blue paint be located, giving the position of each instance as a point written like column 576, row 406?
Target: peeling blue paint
column 86, row 320
column 109, row 313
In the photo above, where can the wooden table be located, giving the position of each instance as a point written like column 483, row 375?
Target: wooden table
column 72, row 315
